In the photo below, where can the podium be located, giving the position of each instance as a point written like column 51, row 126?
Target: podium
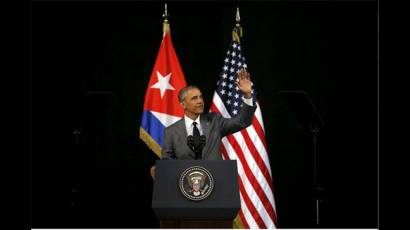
column 196, row 193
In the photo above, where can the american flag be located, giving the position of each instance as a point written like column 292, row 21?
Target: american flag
column 247, row 146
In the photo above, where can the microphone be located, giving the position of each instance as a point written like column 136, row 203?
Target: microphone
column 203, row 141
column 190, row 142
column 196, row 147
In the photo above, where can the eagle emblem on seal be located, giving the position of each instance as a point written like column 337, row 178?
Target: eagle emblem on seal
column 196, row 183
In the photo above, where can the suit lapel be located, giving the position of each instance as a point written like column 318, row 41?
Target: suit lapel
column 182, row 128
column 205, row 124
column 182, row 135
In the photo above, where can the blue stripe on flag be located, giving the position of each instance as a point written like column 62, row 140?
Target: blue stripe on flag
column 153, row 126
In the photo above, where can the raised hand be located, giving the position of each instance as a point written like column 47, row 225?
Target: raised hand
column 244, row 83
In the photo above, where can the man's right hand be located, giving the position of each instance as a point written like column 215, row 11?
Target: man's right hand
column 244, row 83
column 153, row 172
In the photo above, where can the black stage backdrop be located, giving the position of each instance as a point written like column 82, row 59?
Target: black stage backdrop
column 91, row 62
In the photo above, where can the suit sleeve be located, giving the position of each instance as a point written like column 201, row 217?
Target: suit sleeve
column 235, row 124
column 168, row 150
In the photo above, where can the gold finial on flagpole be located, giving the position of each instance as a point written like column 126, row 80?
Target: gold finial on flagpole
column 165, row 24
column 165, row 15
column 238, row 17
column 237, row 31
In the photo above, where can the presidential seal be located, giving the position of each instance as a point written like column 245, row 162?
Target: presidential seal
column 196, row 183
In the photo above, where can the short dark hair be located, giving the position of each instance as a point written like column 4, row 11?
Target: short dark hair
column 182, row 92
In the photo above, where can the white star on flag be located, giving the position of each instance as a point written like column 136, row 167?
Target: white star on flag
column 163, row 83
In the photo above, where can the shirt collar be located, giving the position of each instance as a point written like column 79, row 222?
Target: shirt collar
column 189, row 121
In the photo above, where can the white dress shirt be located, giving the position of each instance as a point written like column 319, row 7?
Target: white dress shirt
column 190, row 126
column 248, row 101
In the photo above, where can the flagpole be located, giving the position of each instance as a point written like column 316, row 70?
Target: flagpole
column 165, row 24
column 236, row 36
column 237, row 31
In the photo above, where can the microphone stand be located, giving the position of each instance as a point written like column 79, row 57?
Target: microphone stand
column 196, row 149
column 307, row 118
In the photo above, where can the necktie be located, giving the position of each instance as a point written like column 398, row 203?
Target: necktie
column 197, row 135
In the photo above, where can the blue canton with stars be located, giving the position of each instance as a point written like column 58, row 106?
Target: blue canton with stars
column 227, row 89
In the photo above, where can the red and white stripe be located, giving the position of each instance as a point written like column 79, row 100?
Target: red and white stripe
column 248, row 147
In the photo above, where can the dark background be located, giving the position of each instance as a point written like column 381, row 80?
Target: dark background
column 91, row 62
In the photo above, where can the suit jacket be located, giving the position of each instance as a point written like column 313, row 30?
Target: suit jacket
column 214, row 127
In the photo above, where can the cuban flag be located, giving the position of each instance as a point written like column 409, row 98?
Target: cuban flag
column 161, row 106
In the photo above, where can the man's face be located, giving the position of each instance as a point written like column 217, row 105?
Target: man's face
column 193, row 103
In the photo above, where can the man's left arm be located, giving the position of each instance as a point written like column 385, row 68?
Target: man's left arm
column 235, row 124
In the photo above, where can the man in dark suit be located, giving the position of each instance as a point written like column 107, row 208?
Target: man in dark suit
column 212, row 126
